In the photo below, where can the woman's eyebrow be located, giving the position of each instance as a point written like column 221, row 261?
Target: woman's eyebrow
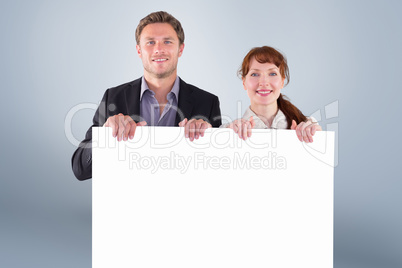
column 273, row 68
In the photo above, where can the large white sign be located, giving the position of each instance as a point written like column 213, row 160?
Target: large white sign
column 160, row 200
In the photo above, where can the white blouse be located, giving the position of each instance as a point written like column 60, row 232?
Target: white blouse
column 279, row 121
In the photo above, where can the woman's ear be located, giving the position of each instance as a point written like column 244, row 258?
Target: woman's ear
column 244, row 83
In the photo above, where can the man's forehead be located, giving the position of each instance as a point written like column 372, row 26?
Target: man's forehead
column 164, row 30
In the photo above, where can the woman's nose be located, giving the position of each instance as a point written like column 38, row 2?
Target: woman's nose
column 263, row 81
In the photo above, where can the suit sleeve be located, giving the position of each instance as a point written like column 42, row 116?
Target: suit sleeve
column 82, row 158
column 215, row 115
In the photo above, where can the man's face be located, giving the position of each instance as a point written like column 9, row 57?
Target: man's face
column 159, row 50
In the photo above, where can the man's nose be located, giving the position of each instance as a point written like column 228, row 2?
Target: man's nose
column 158, row 48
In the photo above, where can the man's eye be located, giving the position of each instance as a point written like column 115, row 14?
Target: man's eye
column 151, row 42
column 168, row 42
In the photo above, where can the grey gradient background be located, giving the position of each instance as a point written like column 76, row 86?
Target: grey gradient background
column 58, row 54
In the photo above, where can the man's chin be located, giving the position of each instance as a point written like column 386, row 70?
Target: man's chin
column 160, row 74
column 164, row 75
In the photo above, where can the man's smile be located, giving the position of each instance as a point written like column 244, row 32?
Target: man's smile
column 159, row 60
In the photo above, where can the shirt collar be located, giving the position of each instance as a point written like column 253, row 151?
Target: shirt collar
column 279, row 121
column 175, row 89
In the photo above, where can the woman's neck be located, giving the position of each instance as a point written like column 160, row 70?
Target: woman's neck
column 266, row 113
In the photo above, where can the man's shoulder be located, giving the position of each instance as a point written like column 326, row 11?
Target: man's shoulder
column 195, row 91
column 126, row 86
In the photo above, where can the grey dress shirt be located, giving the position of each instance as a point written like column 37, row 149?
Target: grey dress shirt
column 149, row 106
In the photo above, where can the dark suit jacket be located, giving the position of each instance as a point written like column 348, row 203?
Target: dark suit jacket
column 125, row 99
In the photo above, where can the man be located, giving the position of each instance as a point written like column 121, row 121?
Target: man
column 159, row 98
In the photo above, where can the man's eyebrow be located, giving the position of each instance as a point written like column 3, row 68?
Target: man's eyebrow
column 153, row 38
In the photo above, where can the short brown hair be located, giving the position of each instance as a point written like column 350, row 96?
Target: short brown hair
column 160, row 17
column 265, row 54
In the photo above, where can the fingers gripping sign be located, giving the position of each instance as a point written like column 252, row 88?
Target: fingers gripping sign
column 194, row 128
column 123, row 126
column 305, row 130
column 243, row 127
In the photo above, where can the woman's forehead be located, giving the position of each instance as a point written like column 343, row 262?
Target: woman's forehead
column 254, row 64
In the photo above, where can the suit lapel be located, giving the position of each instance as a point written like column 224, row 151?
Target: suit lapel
column 186, row 102
column 133, row 100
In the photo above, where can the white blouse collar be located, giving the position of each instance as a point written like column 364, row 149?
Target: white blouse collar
column 279, row 121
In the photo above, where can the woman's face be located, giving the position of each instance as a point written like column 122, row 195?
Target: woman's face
column 263, row 83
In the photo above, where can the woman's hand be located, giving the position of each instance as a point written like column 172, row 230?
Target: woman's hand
column 305, row 130
column 243, row 127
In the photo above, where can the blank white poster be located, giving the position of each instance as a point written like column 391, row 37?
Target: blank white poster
column 160, row 200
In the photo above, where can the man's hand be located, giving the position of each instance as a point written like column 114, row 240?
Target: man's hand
column 243, row 127
column 305, row 130
column 123, row 126
column 194, row 128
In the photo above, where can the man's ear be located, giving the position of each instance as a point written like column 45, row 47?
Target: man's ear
column 138, row 50
column 181, row 48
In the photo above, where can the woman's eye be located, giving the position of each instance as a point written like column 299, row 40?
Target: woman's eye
column 254, row 74
column 273, row 74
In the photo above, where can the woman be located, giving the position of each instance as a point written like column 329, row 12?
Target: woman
column 264, row 72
